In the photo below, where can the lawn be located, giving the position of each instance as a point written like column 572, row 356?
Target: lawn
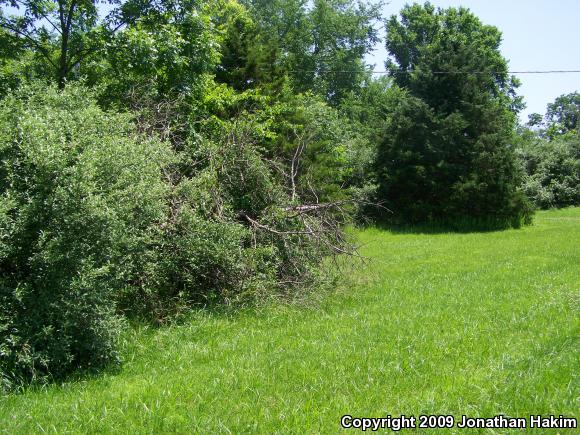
column 476, row 323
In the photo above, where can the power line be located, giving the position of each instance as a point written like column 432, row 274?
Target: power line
column 486, row 72
column 569, row 71
column 444, row 72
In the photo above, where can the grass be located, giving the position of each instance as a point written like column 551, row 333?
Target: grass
column 478, row 324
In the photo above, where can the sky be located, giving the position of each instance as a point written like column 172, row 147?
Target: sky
column 537, row 35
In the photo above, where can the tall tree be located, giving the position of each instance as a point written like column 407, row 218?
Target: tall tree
column 563, row 115
column 165, row 50
column 319, row 44
column 446, row 154
column 62, row 32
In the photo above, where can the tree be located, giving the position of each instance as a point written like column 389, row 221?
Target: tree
column 13, row 57
column 563, row 115
column 164, row 53
column 166, row 40
column 549, row 150
column 552, row 170
column 446, row 153
column 62, row 32
column 238, row 39
column 534, row 120
column 320, row 45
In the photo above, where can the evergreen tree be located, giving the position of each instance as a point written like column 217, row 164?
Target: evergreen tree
column 446, row 153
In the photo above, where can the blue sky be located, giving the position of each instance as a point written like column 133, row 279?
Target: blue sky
column 537, row 35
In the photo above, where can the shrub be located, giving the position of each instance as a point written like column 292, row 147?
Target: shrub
column 229, row 237
column 81, row 196
column 552, row 171
column 430, row 171
column 98, row 223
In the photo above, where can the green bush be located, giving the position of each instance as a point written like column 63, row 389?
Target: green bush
column 431, row 172
column 552, row 170
column 229, row 238
column 98, row 224
column 81, row 197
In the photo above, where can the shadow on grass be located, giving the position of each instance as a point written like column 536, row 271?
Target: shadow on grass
column 459, row 226
column 139, row 324
column 14, row 387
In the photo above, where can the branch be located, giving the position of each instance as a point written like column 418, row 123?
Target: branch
column 295, row 164
column 324, row 229
column 73, row 3
column 306, row 208
column 79, row 58
column 84, row 53
column 61, row 14
column 33, row 41
column 257, row 224
column 38, row 11
column 317, row 207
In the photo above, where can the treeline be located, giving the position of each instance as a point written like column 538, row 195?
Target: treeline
column 161, row 155
column 549, row 148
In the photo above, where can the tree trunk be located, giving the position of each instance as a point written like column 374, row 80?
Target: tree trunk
column 62, row 69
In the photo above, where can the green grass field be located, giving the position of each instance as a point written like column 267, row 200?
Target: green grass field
column 478, row 324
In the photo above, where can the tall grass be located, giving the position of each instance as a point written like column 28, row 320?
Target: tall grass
column 450, row 323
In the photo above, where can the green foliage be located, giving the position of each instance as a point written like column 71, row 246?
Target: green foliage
column 368, row 108
column 210, row 251
column 320, row 46
column 165, row 52
column 321, row 146
column 300, row 134
column 550, row 154
column 552, row 170
column 60, row 33
column 445, row 153
column 250, row 129
column 81, row 196
column 97, row 221
column 366, row 112
column 12, row 63
column 488, row 323
column 563, row 115
column 238, row 40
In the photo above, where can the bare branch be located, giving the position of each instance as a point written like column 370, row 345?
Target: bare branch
column 257, row 224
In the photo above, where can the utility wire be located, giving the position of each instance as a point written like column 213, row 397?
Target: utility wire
column 444, row 72
column 487, row 72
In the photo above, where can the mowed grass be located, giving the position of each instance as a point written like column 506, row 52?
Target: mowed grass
column 478, row 324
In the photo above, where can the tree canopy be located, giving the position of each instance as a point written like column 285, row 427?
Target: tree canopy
column 446, row 153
